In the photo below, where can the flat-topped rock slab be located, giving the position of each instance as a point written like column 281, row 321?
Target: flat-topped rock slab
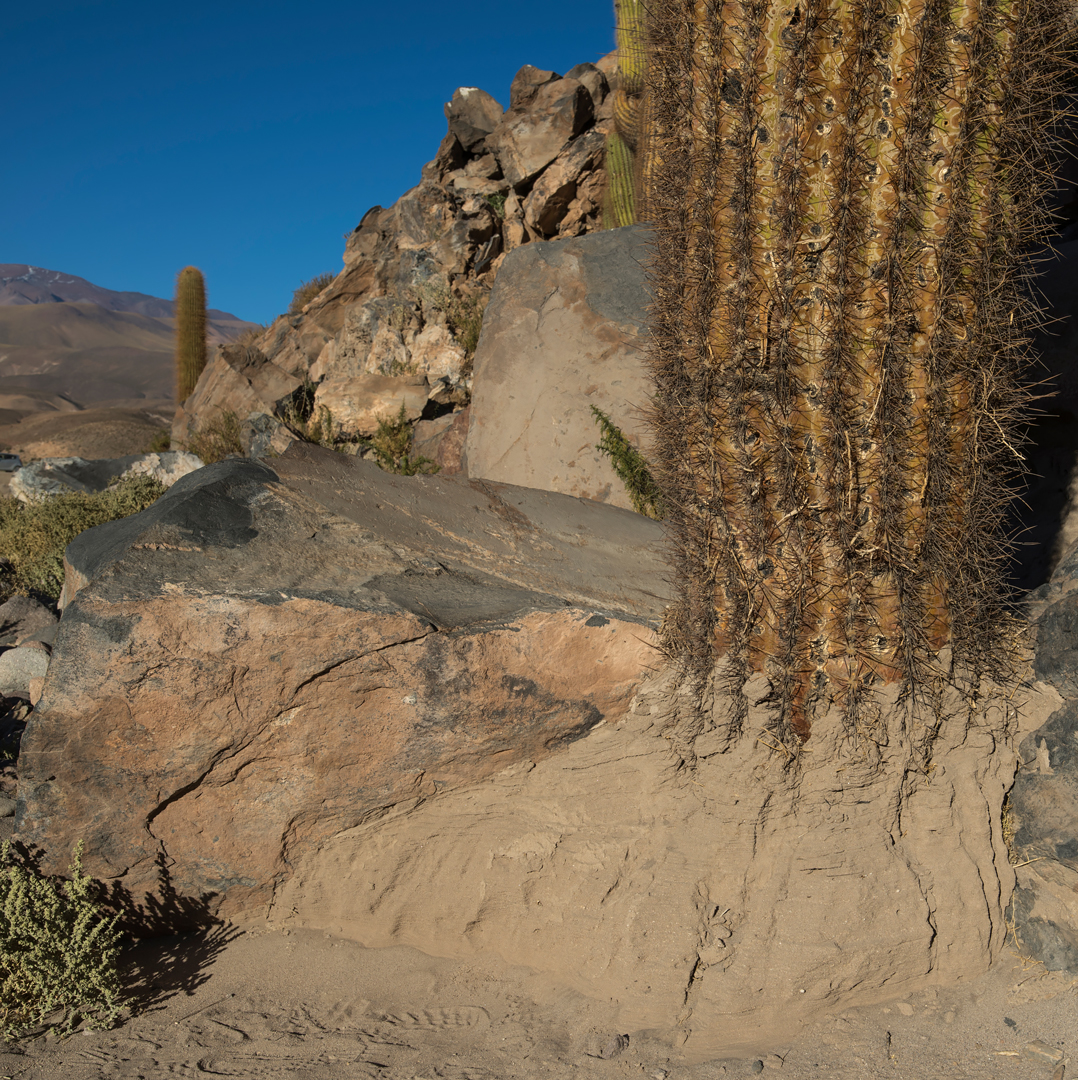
column 265, row 657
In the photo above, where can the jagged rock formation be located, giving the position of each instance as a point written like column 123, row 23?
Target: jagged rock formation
column 418, row 273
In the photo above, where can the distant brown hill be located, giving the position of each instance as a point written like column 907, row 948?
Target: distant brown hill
column 62, row 336
column 21, row 284
column 85, row 353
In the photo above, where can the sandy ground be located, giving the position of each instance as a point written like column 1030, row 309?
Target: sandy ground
column 107, row 432
column 267, row 1002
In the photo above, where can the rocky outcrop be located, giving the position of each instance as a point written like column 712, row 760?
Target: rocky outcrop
column 417, row 274
column 357, row 405
column 563, row 332
column 265, row 658
column 1044, row 799
column 55, row 476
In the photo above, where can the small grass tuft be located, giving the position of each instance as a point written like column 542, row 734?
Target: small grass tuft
column 251, row 334
column 161, row 442
column 58, row 951
column 33, row 535
column 217, row 438
column 308, row 291
column 311, row 423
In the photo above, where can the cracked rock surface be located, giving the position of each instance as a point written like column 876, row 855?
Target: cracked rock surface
column 266, row 658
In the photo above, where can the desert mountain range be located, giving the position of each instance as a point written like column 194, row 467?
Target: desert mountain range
column 62, row 337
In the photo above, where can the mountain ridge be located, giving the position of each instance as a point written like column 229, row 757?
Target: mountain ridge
column 61, row 335
column 23, row 284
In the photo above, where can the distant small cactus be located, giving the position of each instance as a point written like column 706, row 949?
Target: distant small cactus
column 190, row 314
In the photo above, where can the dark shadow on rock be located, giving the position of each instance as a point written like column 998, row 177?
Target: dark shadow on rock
column 1036, row 519
column 176, row 939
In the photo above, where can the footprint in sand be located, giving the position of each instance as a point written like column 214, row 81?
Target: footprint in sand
column 353, row 1014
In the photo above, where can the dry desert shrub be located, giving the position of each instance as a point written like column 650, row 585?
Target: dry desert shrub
column 308, row 291
column 217, row 438
column 58, row 951
column 33, row 535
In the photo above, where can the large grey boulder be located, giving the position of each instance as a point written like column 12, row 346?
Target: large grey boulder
column 266, row 657
column 564, row 330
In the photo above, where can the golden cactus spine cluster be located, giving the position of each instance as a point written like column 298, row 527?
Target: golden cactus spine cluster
column 842, row 191
column 190, row 315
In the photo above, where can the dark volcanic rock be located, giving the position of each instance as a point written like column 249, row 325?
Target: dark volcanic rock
column 1056, row 659
column 265, row 658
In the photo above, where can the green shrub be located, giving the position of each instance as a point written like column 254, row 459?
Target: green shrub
column 629, row 464
column 497, row 204
column 217, row 438
column 308, row 291
column 392, row 446
column 33, row 535
column 58, row 951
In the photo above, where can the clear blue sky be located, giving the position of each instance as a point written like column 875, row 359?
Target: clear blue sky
column 244, row 139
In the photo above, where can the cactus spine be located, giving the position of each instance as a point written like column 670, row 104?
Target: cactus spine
column 190, row 315
column 842, row 191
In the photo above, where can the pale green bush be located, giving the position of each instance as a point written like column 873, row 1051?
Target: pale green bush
column 58, row 952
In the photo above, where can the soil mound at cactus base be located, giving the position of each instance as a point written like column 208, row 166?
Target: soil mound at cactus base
column 812, row 942
column 720, row 908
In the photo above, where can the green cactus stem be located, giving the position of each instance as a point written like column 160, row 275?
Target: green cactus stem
column 842, row 192
column 190, row 316
column 618, row 198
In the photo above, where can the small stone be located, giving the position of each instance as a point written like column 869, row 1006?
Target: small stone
column 757, row 1066
column 905, row 1008
column 1009, row 1022
column 615, row 1046
column 948, row 1016
column 1041, row 1051
column 773, row 1061
column 7, row 807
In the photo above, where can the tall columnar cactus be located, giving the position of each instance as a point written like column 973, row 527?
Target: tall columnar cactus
column 190, row 315
column 622, row 166
column 842, row 191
